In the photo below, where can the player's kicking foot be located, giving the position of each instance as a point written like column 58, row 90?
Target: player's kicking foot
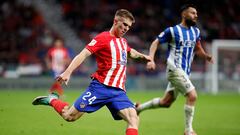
column 190, row 133
column 45, row 100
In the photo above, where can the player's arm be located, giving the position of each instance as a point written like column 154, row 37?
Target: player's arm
column 139, row 56
column 65, row 76
column 67, row 58
column 152, row 50
column 199, row 51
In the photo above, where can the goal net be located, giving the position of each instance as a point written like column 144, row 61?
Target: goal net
column 224, row 74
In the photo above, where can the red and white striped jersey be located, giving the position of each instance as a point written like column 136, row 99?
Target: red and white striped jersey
column 111, row 57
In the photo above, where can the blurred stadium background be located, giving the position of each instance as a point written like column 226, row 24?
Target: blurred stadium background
column 29, row 27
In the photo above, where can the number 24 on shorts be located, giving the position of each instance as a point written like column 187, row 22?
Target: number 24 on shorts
column 89, row 98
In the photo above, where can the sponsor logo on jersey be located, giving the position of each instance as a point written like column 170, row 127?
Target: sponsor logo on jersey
column 124, row 55
column 124, row 58
column 187, row 43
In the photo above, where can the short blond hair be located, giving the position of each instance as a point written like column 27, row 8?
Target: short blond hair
column 125, row 14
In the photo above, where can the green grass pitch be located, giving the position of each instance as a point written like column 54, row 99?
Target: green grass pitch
column 215, row 115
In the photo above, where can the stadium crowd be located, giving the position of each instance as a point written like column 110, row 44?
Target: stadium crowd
column 25, row 37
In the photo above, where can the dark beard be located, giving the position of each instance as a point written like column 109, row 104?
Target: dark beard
column 190, row 22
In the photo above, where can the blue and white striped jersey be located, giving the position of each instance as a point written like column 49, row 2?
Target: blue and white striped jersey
column 181, row 43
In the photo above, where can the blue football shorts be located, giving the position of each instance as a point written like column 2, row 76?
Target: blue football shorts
column 97, row 95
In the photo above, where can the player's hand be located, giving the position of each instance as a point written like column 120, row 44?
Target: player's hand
column 209, row 58
column 142, row 58
column 60, row 80
column 63, row 78
column 147, row 58
column 151, row 65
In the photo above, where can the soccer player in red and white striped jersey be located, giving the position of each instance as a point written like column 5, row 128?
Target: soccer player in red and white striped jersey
column 108, row 85
column 57, row 60
column 111, row 60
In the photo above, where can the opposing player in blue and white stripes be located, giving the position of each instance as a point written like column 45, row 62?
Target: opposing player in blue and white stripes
column 183, row 42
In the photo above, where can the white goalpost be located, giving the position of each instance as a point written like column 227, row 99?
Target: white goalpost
column 224, row 53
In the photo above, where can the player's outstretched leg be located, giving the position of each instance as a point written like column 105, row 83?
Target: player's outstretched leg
column 69, row 114
column 164, row 102
column 51, row 100
column 45, row 100
column 151, row 104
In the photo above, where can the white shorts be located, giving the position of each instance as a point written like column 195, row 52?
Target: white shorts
column 178, row 82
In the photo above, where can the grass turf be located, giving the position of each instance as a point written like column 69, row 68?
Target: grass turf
column 215, row 115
